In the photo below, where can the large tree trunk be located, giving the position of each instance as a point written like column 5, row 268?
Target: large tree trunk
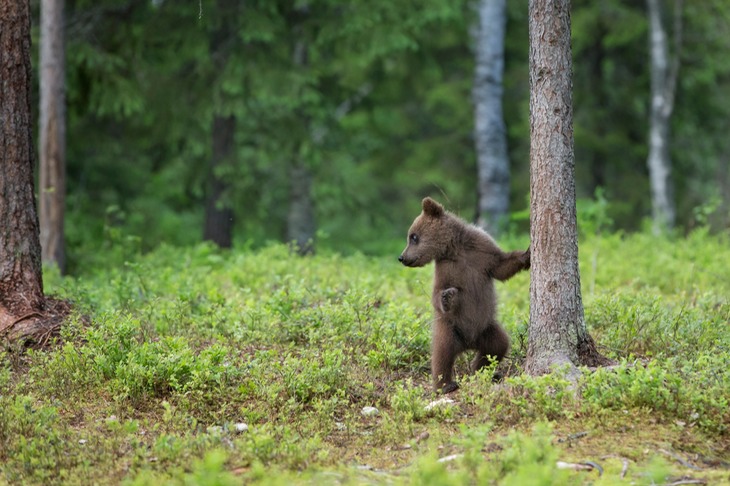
column 21, row 283
column 557, row 331
column 663, row 86
column 490, row 132
column 52, row 129
column 218, row 213
column 24, row 311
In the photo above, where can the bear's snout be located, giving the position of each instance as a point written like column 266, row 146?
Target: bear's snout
column 408, row 262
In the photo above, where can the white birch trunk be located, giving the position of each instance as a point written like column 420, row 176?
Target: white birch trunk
column 663, row 84
column 490, row 132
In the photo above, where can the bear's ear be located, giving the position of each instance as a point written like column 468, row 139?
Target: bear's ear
column 432, row 208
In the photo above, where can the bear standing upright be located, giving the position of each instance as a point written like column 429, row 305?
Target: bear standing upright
column 463, row 298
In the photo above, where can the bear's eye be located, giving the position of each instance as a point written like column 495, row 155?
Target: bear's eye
column 414, row 238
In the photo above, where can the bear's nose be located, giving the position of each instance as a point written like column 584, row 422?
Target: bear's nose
column 400, row 258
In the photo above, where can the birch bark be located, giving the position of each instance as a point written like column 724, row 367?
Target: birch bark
column 663, row 86
column 489, row 127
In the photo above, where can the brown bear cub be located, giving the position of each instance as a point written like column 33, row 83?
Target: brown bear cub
column 467, row 259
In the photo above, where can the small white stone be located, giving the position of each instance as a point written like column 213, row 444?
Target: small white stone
column 441, row 402
column 370, row 411
column 240, row 427
column 83, row 441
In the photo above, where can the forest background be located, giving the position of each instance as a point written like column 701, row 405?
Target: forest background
column 175, row 105
column 254, row 122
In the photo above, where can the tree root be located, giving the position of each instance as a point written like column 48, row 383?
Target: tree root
column 36, row 328
column 589, row 356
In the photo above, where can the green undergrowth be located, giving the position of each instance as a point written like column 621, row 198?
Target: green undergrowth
column 201, row 366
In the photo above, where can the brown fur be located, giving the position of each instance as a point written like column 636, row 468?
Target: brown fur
column 467, row 260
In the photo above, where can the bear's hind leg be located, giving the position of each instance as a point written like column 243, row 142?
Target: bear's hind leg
column 493, row 344
column 444, row 349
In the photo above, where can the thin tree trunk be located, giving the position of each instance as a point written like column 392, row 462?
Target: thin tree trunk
column 723, row 185
column 24, row 311
column 301, row 224
column 663, row 86
column 52, row 134
column 490, row 132
column 557, row 331
column 218, row 213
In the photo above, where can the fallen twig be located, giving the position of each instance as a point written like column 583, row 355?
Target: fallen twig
column 687, row 481
column 450, row 458
column 582, row 466
column 572, row 437
column 679, row 459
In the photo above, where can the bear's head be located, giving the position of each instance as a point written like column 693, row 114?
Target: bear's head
column 429, row 236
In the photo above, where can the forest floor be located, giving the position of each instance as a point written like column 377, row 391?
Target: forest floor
column 200, row 366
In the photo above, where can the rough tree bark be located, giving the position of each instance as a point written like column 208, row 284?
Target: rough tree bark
column 219, row 215
column 663, row 86
column 490, row 132
column 24, row 311
column 557, row 331
column 52, row 129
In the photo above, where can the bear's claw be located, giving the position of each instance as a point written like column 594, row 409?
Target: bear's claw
column 447, row 298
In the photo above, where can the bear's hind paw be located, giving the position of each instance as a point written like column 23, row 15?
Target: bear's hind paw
column 449, row 388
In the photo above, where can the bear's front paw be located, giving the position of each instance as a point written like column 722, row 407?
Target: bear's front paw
column 526, row 258
column 447, row 299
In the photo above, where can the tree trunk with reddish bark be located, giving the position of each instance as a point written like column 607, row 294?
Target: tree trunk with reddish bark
column 24, row 310
column 557, row 332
